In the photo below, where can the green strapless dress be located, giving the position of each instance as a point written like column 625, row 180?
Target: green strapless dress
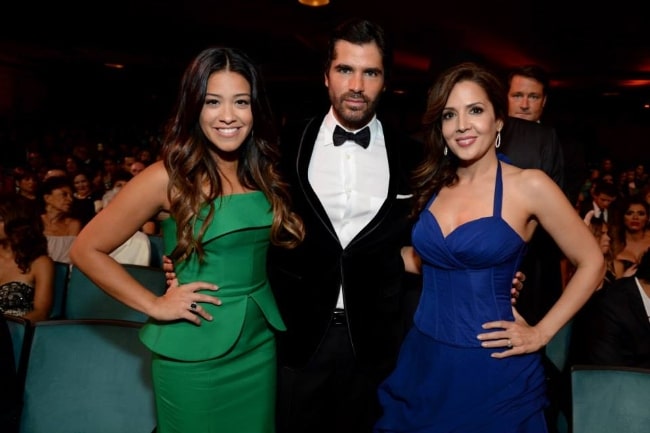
column 221, row 376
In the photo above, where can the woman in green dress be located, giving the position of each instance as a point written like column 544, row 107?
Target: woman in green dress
column 214, row 365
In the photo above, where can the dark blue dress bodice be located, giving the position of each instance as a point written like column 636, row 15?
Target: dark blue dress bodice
column 468, row 274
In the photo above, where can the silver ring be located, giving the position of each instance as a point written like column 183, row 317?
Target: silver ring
column 193, row 307
column 509, row 344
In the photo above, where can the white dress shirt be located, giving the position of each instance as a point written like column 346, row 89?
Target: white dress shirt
column 350, row 181
column 599, row 213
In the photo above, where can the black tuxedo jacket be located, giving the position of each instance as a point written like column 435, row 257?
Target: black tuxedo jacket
column 306, row 280
column 619, row 331
column 533, row 145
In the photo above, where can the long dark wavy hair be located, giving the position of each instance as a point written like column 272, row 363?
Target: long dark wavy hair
column 437, row 170
column 24, row 232
column 187, row 157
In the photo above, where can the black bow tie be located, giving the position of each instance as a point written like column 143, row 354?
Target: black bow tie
column 362, row 138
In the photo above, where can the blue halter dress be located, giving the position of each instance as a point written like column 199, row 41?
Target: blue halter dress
column 444, row 380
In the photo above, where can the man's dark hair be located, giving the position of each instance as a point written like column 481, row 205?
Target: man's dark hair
column 534, row 72
column 358, row 32
column 607, row 188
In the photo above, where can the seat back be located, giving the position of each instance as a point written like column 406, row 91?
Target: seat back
column 20, row 330
column 61, row 275
column 91, row 376
column 610, row 399
column 86, row 300
column 157, row 250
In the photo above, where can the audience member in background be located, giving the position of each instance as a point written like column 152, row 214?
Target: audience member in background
column 72, row 165
column 110, row 168
column 146, row 157
column 528, row 86
column 618, row 327
column 628, row 186
column 27, row 188
column 127, row 160
column 632, row 237
column 119, row 179
column 86, row 203
column 601, row 231
column 26, row 271
column 136, row 167
column 54, row 172
column 214, row 359
column 602, row 196
column 59, row 226
column 640, row 176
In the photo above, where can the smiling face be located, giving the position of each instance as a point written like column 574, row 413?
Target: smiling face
column 81, row 184
column 226, row 117
column 469, row 125
column 355, row 80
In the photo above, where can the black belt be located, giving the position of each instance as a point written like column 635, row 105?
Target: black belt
column 338, row 317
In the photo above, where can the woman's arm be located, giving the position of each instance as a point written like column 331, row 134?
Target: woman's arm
column 539, row 198
column 141, row 198
column 43, row 271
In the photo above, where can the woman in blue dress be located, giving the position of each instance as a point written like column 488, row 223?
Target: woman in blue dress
column 470, row 363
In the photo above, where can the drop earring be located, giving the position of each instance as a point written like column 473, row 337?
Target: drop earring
column 444, row 152
column 498, row 143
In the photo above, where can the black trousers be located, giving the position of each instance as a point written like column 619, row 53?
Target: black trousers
column 332, row 394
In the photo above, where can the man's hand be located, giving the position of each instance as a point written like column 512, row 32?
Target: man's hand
column 517, row 286
column 170, row 275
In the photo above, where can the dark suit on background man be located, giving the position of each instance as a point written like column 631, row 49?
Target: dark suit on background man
column 618, row 327
column 307, row 280
column 529, row 144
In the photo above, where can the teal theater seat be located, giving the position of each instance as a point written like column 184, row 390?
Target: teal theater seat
column 610, row 399
column 85, row 300
column 90, row 376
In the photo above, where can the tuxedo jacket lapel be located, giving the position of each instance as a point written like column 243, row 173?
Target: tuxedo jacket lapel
column 305, row 151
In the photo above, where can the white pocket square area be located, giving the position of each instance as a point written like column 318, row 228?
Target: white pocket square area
column 402, row 196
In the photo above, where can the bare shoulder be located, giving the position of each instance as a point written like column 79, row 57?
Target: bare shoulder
column 43, row 263
column 529, row 180
column 156, row 171
column 154, row 177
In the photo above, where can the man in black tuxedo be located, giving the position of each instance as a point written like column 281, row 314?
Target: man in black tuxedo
column 342, row 293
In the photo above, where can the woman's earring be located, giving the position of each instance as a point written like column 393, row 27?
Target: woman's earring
column 498, row 140
column 445, row 151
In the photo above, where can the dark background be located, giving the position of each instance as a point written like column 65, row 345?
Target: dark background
column 54, row 57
